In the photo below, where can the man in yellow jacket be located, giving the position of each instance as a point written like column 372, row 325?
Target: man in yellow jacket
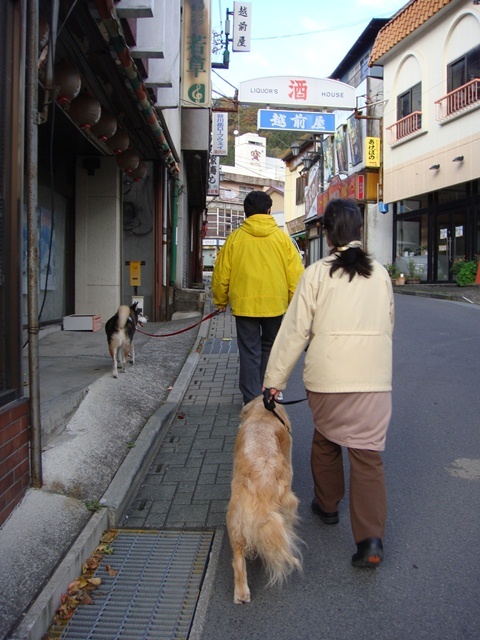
column 256, row 271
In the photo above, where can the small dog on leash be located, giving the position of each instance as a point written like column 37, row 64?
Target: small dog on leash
column 262, row 512
column 120, row 330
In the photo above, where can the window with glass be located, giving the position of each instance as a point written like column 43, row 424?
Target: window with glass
column 300, row 186
column 463, row 70
column 243, row 193
column 409, row 112
column 409, row 101
column 411, row 257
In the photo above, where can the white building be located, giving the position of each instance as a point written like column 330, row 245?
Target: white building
column 253, row 170
column 430, row 52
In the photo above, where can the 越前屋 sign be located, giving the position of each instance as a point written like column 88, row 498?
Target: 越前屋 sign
column 308, row 121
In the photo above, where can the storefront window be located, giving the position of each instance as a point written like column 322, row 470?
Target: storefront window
column 412, row 246
column 420, row 202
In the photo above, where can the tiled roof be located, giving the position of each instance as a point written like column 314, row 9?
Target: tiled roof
column 410, row 17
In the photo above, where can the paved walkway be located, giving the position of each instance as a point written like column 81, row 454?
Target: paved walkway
column 188, row 484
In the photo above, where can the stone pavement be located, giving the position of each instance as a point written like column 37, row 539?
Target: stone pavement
column 178, row 474
column 188, row 484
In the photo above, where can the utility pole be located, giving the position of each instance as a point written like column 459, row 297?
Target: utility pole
column 226, row 53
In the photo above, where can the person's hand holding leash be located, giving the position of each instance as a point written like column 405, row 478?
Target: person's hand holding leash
column 273, row 392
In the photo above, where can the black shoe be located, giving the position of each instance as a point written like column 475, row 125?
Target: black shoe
column 369, row 553
column 325, row 517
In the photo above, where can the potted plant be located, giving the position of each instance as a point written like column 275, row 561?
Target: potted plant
column 393, row 272
column 412, row 277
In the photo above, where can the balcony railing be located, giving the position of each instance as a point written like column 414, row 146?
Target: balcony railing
column 405, row 127
column 459, row 100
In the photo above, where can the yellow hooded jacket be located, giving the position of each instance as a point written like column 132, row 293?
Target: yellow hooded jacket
column 257, row 269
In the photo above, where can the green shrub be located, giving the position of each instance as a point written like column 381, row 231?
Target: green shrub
column 393, row 272
column 466, row 272
column 412, row 271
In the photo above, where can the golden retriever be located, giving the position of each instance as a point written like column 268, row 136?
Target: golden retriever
column 262, row 512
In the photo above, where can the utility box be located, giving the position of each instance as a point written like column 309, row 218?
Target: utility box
column 78, row 322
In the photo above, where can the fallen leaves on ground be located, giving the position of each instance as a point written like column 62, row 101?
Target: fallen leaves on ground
column 79, row 590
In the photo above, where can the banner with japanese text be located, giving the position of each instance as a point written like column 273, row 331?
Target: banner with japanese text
column 214, row 176
column 220, row 133
column 372, row 149
column 196, row 54
column 242, row 26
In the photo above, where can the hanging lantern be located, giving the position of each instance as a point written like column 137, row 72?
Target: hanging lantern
column 140, row 172
column 85, row 111
column 119, row 142
column 128, row 161
column 67, row 83
column 105, row 127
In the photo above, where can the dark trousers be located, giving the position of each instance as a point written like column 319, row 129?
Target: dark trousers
column 255, row 338
column 368, row 500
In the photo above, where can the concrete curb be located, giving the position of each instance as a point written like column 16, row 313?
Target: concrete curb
column 123, row 487
column 39, row 617
column 206, row 590
column 128, row 478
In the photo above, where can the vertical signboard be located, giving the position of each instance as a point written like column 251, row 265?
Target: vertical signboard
column 220, row 133
column 242, row 24
column 196, row 54
column 372, row 146
column 360, row 195
column 214, row 176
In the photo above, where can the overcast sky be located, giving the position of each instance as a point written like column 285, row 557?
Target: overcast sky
column 308, row 38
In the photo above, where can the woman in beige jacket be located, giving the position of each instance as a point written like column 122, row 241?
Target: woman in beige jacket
column 343, row 309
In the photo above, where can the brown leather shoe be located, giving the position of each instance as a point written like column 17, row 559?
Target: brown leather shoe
column 369, row 554
column 325, row 516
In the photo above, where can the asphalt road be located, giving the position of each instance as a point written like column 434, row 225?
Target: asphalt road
column 428, row 586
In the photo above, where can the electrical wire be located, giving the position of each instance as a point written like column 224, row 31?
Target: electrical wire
column 67, row 17
column 312, row 33
column 223, row 79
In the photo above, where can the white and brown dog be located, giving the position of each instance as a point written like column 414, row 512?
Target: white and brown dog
column 120, row 330
column 262, row 512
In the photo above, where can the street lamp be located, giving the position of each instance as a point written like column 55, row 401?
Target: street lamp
column 295, row 149
column 308, row 161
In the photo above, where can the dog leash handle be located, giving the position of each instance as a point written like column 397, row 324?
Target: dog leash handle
column 268, row 401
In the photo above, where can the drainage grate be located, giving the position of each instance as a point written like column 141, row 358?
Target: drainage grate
column 154, row 594
column 214, row 346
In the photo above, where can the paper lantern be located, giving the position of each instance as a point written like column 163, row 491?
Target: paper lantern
column 140, row 172
column 128, row 161
column 119, row 142
column 85, row 111
column 67, row 83
column 105, row 127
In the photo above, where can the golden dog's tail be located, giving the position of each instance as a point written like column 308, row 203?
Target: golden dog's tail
column 278, row 546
